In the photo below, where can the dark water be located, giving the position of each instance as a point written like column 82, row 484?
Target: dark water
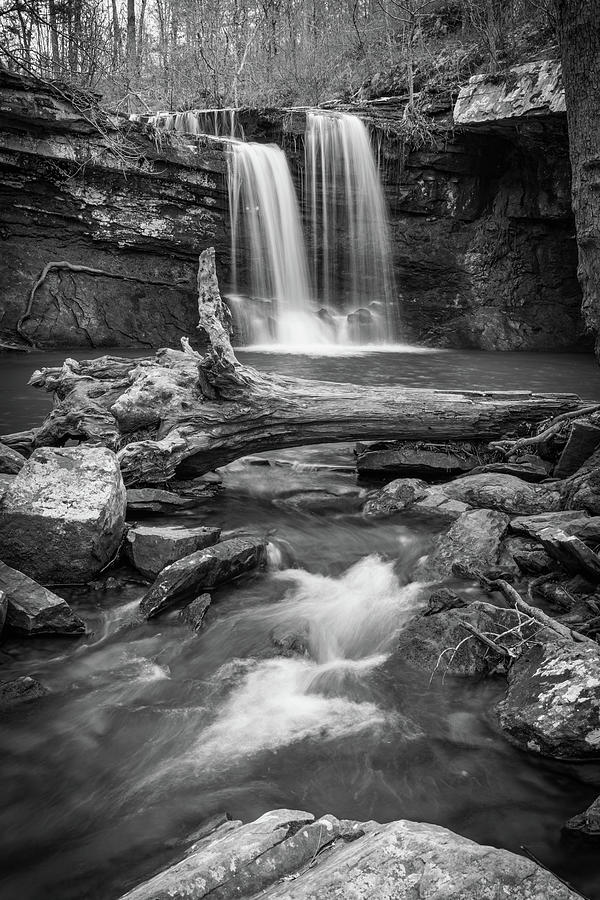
column 149, row 729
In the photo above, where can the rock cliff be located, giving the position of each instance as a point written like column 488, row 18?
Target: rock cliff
column 484, row 241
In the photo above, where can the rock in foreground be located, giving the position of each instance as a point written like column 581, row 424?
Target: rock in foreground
column 553, row 702
column 20, row 690
column 474, row 540
column 33, row 609
column 203, row 569
column 279, row 856
column 11, row 461
column 62, row 518
column 151, row 548
column 586, row 823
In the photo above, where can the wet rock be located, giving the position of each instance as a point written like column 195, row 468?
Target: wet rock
column 582, row 441
column 11, row 461
column 62, row 519
column 529, row 556
column 442, row 644
column 290, row 641
column 505, row 493
column 20, row 690
column 442, row 600
column 202, row 569
column 587, row 823
column 321, row 501
column 33, row 609
column 279, row 857
column 553, row 702
column 411, row 460
column 360, row 325
column 582, row 490
column 473, row 540
column 193, row 614
column 146, row 501
column 151, row 548
column 530, row 469
column 437, row 504
column 395, row 496
column 569, row 521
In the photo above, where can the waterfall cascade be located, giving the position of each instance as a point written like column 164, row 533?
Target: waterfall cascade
column 347, row 295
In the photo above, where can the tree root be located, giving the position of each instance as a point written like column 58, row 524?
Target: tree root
column 509, row 448
column 75, row 267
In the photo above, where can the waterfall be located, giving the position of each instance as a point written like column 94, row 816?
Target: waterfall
column 216, row 122
column 350, row 239
column 265, row 224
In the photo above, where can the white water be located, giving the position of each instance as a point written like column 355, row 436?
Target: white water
column 216, row 122
column 344, row 193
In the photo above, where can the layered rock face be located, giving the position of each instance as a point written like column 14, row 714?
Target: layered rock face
column 482, row 228
column 98, row 191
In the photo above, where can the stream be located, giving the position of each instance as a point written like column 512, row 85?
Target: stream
column 150, row 729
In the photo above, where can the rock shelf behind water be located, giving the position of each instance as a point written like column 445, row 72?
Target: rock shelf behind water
column 151, row 548
column 203, row 569
column 34, row 609
column 286, row 854
column 62, row 518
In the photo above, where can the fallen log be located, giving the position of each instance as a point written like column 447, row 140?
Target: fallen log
column 187, row 413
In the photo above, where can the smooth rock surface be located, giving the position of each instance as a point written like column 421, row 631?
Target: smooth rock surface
column 150, row 548
column 473, row 540
column 193, row 614
column 395, row 496
column 33, row 609
column 11, row 461
column 203, row 569
column 506, row 493
column 582, row 441
column 553, row 702
column 20, row 690
column 279, row 856
column 411, row 461
column 62, row 519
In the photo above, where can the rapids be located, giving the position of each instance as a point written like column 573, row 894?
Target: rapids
column 149, row 729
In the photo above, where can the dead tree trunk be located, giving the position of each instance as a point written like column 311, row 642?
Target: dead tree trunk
column 579, row 35
column 181, row 407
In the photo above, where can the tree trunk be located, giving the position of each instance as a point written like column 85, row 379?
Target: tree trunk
column 204, row 411
column 579, row 35
column 131, row 42
column 54, row 39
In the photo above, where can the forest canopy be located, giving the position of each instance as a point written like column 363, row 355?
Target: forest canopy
column 148, row 55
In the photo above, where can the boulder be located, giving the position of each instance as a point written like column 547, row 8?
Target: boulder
column 278, row 857
column 411, row 460
column 528, row 556
column 437, row 504
column 552, row 706
column 572, row 553
column 62, row 519
column 395, row 496
column 150, row 548
column 11, row 461
column 505, row 493
column 473, row 540
column 441, row 643
column 193, row 614
column 33, row 609
column 587, row 823
column 149, row 501
column 583, row 439
column 202, row 569
column 20, row 690
column 290, row 641
column 582, row 490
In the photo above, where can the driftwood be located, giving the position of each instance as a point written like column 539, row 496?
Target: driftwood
column 186, row 412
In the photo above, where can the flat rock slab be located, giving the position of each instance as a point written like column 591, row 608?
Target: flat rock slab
column 568, row 520
column 62, row 519
column 203, row 569
column 473, row 540
column 11, row 461
column 553, row 702
column 572, row 553
column 20, row 690
column 33, row 609
column 527, row 471
column 411, row 461
column 279, row 856
column 148, row 501
column 150, row 548
column 193, row 614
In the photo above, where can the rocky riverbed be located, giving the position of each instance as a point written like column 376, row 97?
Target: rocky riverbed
column 519, row 520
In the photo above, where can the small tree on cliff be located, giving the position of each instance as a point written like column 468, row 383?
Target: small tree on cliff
column 578, row 23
